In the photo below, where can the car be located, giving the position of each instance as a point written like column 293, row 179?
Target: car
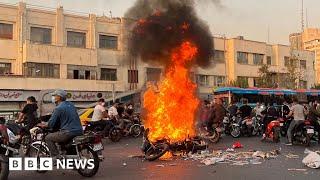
column 85, row 115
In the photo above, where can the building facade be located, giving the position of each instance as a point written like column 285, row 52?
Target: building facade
column 86, row 54
column 308, row 40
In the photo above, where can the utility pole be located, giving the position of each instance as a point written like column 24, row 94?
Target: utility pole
column 302, row 16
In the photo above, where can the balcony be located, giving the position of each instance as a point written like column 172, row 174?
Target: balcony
column 23, row 83
column 44, row 53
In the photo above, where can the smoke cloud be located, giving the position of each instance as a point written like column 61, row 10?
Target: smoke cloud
column 162, row 25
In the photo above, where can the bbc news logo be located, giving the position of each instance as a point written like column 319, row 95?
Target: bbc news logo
column 46, row 164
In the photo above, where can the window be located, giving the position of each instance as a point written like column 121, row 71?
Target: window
column 108, row 42
column 202, row 80
column 6, row 31
column 42, row 70
column 243, row 82
column 269, row 60
column 286, row 61
column 153, row 74
column 108, row 74
column 76, row 39
column 242, row 57
column 5, row 68
column 40, row 35
column 256, row 82
column 81, row 72
column 219, row 56
column 258, row 59
column 219, row 81
column 133, row 76
column 303, row 84
column 303, row 64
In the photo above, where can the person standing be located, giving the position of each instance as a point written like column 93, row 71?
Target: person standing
column 217, row 115
column 298, row 112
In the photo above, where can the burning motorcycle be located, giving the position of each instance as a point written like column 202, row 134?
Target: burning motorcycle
column 79, row 148
column 154, row 150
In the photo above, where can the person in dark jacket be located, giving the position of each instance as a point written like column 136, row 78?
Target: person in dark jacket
column 28, row 114
column 313, row 115
column 65, row 118
column 270, row 114
column 216, row 116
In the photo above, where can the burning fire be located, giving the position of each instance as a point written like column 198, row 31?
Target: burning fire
column 171, row 108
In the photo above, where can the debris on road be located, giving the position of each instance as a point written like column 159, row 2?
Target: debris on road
column 160, row 165
column 312, row 160
column 294, row 169
column 124, row 164
column 292, row 156
column 237, row 145
column 233, row 158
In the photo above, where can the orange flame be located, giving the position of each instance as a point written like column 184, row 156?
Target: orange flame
column 171, row 110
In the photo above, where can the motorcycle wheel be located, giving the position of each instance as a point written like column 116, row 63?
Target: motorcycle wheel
column 38, row 151
column 283, row 132
column 307, row 139
column 235, row 132
column 156, row 152
column 135, row 130
column 255, row 131
column 91, row 155
column 276, row 135
column 215, row 137
column 115, row 134
column 4, row 167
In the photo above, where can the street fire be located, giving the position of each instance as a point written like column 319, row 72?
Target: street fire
column 169, row 34
column 171, row 111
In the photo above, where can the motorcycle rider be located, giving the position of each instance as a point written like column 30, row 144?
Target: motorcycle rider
column 99, row 113
column 313, row 115
column 285, row 109
column 298, row 112
column 29, row 113
column 64, row 118
column 245, row 110
column 271, row 114
column 216, row 116
column 233, row 108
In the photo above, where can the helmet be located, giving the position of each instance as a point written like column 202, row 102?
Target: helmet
column 60, row 92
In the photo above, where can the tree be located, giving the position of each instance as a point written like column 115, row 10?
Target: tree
column 239, row 82
column 292, row 76
column 265, row 77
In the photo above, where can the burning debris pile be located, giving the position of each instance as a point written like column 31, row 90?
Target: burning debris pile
column 168, row 33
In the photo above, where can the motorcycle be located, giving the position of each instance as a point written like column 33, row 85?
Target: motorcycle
column 132, row 127
column 303, row 133
column 154, row 150
column 257, row 125
column 227, row 122
column 242, row 127
column 114, row 132
column 80, row 147
column 273, row 131
column 284, row 125
column 14, row 141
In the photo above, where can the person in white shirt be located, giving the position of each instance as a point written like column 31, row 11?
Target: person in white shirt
column 99, row 111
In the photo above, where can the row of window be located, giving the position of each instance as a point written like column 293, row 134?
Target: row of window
column 242, row 58
column 293, row 62
column 74, row 39
column 209, row 80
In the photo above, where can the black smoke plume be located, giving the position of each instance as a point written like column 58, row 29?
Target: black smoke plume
column 162, row 25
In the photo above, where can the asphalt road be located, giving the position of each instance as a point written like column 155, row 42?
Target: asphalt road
column 118, row 165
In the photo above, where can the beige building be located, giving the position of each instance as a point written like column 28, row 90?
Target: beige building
column 86, row 55
column 239, row 58
column 308, row 40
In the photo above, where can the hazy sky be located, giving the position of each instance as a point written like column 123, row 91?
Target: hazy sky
column 249, row 18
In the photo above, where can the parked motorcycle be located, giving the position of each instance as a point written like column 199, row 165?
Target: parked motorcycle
column 284, row 125
column 257, row 125
column 273, row 131
column 227, row 123
column 80, row 148
column 154, row 150
column 242, row 127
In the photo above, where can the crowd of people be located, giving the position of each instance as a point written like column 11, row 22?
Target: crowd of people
column 213, row 113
